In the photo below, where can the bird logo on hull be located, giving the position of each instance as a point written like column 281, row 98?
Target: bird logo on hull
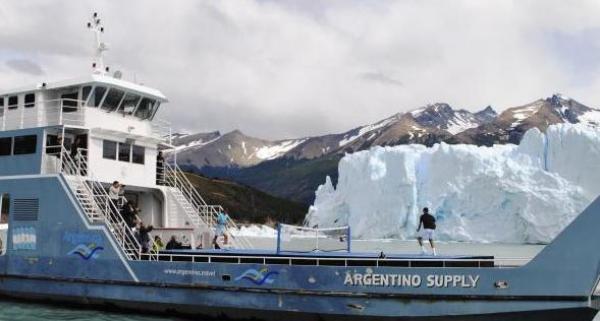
column 86, row 252
column 258, row 277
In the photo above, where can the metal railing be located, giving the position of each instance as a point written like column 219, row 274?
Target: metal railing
column 161, row 128
column 44, row 113
column 63, row 111
column 310, row 260
column 95, row 201
column 174, row 177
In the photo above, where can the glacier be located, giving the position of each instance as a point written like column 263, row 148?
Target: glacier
column 524, row 193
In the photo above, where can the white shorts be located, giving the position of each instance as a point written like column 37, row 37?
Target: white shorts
column 220, row 230
column 426, row 234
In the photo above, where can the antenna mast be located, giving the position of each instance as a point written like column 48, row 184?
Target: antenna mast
column 95, row 25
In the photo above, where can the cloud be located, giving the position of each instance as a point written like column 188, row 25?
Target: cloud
column 286, row 68
column 380, row 77
column 25, row 66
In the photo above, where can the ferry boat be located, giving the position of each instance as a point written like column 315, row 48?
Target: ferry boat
column 64, row 239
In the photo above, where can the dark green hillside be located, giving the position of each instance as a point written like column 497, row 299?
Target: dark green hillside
column 288, row 178
column 246, row 204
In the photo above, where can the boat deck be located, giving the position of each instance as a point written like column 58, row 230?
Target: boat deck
column 325, row 258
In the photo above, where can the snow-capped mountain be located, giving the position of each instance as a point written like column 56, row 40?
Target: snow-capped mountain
column 512, row 123
column 427, row 125
column 443, row 117
column 231, row 149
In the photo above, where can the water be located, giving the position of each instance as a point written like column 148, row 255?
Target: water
column 22, row 311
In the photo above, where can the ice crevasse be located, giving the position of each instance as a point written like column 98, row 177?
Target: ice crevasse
column 523, row 193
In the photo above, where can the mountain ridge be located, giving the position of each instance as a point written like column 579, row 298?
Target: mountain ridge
column 263, row 163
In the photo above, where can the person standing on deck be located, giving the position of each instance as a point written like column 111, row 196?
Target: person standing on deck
column 221, row 228
column 428, row 222
column 115, row 192
column 160, row 169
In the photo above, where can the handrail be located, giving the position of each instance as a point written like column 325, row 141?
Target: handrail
column 101, row 202
column 44, row 113
column 63, row 111
column 175, row 177
column 509, row 262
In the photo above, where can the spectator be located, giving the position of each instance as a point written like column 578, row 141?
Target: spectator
column 113, row 191
column 144, row 236
column 158, row 244
column 221, row 228
column 116, row 193
column 129, row 214
column 74, row 146
column 173, row 244
column 160, row 169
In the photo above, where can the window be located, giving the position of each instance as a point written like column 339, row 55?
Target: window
column 129, row 103
column 69, row 98
column 137, row 154
column 124, row 152
column 13, row 102
column 1, row 106
column 96, row 97
column 30, row 100
column 85, row 92
column 112, row 100
column 144, row 111
column 5, row 146
column 109, row 149
column 25, row 145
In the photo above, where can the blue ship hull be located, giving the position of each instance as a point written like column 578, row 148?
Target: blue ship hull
column 67, row 259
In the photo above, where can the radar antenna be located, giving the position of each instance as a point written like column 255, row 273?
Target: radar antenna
column 95, row 24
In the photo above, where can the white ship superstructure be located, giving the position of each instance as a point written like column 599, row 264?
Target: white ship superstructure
column 99, row 129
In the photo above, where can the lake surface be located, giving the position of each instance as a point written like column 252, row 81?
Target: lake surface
column 22, row 311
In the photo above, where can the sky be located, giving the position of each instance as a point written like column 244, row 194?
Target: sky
column 284, row 69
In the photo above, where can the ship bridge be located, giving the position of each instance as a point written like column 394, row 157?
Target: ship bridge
column 98, row 102
column 96, row 130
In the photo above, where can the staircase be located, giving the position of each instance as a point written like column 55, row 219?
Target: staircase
column 201, row 215
column 95, row 202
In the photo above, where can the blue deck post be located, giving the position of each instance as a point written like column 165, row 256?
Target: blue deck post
column 278, row 238
column 349, row 240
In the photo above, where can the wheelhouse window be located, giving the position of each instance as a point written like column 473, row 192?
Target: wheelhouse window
column 124, row 152
column 70, row 99
column 97, row 96
column 85, row 93
column 109, row 149
column 13, row 102
column 129, row 103
column 137, row 154
column 5, row 146
column 146, row 108
column 1, row 106
column 29, row 100
column 112, row 100
column 25, row 144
